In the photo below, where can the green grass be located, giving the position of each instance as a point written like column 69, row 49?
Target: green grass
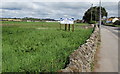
column 112, row 25
column 27, row 48
column 117, row 25
column 82, row 24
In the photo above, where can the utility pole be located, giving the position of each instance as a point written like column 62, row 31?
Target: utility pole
column 100, row 16
column 91, row 11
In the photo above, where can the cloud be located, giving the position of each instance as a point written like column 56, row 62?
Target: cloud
column 111, row 8
column 54, row 10
column 59, row 1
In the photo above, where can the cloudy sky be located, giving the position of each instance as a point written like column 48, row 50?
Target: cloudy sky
column 53, row 10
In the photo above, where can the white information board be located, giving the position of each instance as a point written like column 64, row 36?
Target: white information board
column 67, row 21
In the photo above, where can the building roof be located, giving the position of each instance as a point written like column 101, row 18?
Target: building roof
column 111, row 18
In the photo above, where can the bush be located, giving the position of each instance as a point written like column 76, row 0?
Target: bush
column 117, row 22
column 92, row 22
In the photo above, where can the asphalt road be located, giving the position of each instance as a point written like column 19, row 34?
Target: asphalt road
column 108, row 51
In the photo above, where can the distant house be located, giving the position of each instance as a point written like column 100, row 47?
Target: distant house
column 112, row 19
column 10, row 19
column 115, row 19
column 29, row 21
column 79, row 21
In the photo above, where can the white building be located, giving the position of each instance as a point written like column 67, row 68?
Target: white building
column 115, row 19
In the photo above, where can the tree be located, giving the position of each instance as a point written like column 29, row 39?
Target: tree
column 95, row 14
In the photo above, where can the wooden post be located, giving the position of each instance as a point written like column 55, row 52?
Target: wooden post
column 72, row 27
column 65, row 27
column 68, row 27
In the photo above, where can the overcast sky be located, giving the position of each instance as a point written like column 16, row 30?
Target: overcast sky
column 53, row 10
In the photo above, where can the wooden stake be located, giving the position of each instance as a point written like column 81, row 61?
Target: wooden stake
column 72, row 27
column 69, row 27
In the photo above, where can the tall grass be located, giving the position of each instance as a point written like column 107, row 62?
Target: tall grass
column 26, row 48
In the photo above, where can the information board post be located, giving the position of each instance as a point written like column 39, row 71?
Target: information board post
column 67, row 22
column 69, row 27
column 72, row 27
column 65, row 27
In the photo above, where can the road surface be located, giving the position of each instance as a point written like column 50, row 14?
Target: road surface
column 108, row 51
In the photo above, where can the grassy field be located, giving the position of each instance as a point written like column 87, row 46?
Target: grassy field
column 39, row 46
